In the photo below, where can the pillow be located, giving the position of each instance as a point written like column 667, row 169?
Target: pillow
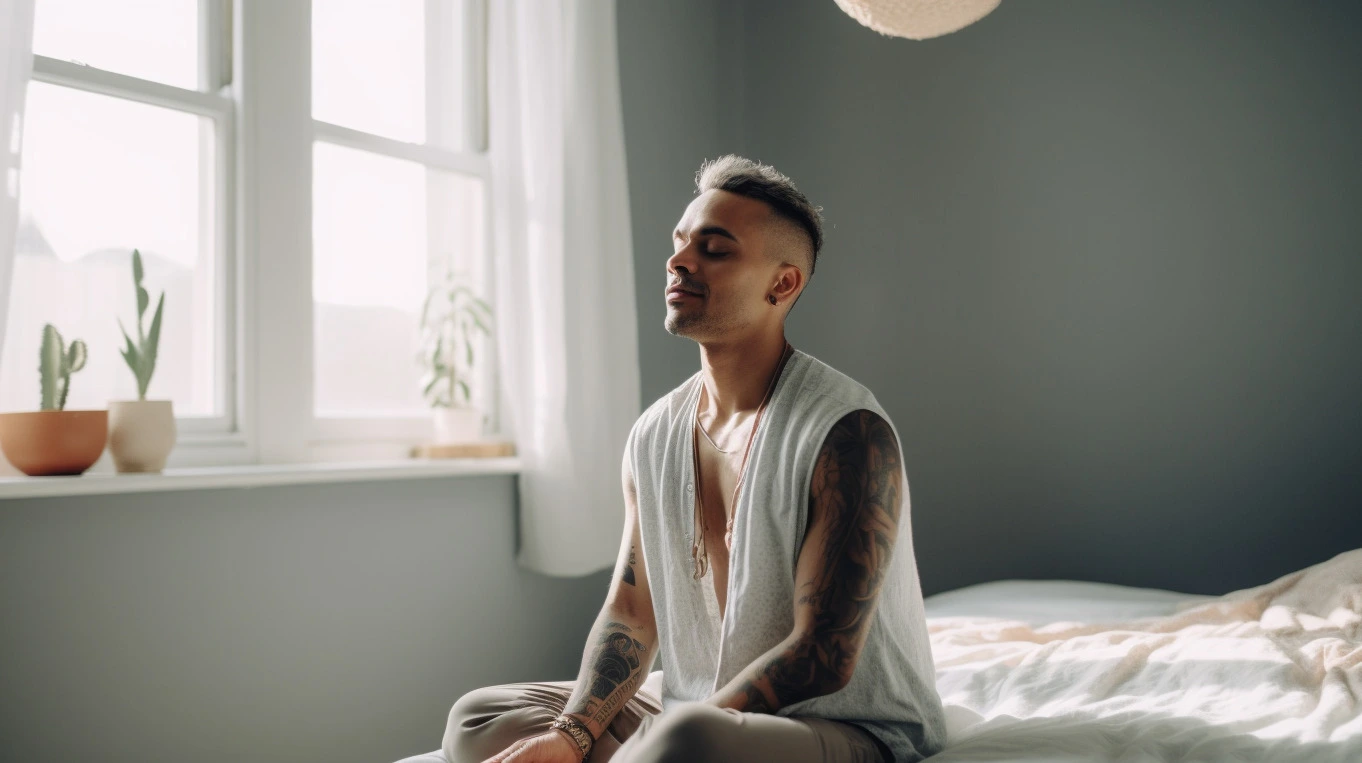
column 1036, row 602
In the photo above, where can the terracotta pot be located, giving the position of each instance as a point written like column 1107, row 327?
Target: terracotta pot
column 50, row 443
column 141, row 434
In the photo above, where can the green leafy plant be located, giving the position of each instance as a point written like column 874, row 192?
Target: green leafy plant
column 450, row 317
column 56, row 364
column 141, row 357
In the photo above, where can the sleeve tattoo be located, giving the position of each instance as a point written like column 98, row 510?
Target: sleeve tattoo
column 618, row 666
column 854, row 498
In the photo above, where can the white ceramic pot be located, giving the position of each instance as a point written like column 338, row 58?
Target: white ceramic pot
column 457, row 425
column 141, row 434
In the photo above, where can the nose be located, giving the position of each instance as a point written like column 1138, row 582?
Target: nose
column 682, row 262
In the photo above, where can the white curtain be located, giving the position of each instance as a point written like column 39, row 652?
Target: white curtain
column 16, row 63
column 567, row 323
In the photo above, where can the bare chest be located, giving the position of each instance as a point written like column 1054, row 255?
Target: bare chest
column 718, row 474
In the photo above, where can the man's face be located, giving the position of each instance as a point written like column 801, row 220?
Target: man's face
column 720, row 259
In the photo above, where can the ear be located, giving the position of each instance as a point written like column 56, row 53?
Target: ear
column 789, row 280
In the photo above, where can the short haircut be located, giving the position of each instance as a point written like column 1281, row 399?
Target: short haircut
column 763, row 182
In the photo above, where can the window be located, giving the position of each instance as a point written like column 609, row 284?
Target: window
column 397, row 198
column 130, row 155
column 296, row 176
column 383, row 229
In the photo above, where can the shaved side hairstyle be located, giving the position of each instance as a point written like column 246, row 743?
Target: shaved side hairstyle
column 763, row 182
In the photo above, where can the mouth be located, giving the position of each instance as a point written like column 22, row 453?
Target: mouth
column 676, row 294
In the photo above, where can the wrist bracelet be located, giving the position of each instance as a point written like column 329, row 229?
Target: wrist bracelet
column 577, row 731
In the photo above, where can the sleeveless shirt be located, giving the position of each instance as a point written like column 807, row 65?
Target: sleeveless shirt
column 892, row 692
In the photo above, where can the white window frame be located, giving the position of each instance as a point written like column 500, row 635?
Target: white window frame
column 201, row 439
column 275, row 170
column 256, row 76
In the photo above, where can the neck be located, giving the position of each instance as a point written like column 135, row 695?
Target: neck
column 737, row 374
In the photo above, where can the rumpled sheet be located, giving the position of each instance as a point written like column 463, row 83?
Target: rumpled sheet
column 1271, row 673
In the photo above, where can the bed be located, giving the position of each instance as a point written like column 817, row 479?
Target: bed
column 1041, row 671
column 1033, row 671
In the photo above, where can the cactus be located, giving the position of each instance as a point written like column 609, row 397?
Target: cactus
column 141, row 357
column 56, row 364
column 449, row 317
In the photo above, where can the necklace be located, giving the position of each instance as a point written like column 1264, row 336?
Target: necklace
column 706, row 434
column 698, row 552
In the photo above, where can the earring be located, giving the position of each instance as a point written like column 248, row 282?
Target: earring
column 771, row 298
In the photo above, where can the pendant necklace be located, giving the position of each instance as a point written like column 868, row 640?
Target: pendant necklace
column 697, row 551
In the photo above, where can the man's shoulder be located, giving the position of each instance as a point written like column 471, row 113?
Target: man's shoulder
column 827, row 397
column 665, row 409
column 836, row 387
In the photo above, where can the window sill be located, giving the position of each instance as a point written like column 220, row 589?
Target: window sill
column 254, row 476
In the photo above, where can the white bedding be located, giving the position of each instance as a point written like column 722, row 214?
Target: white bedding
column 1063, row 671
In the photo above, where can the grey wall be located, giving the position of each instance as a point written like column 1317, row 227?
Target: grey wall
column 323, row 623
column 1099, row 261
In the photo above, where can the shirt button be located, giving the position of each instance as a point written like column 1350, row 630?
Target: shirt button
column 689, row 487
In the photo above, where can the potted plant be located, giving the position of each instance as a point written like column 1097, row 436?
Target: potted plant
column 141, row 431
column 53, row 440
column 451, row 316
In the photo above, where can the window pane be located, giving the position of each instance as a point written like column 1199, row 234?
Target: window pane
column 100, row 177
column 368, row 66
column 376, row 246
column 400, row 71
column 152, row 39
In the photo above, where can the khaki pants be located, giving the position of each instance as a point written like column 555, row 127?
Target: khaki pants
column 486, row 721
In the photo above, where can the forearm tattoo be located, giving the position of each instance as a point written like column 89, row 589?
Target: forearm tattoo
column 618, row 665
column 627, row 574
column 855, row 496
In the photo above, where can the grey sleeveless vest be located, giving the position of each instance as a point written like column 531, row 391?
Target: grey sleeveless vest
column 892, row 693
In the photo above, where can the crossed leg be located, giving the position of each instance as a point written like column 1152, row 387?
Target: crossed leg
column 486, row 721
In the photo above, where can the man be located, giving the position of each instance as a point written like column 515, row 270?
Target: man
column 767, row 550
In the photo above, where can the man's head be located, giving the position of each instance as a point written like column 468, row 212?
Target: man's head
column 744, row 249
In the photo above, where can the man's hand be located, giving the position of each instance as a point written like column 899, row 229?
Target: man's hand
column 553, row 746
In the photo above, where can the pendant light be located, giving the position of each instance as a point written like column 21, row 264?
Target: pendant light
column 917, row 19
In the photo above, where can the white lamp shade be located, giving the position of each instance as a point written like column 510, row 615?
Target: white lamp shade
column 917, row 19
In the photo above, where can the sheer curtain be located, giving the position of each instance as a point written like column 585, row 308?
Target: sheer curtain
column 567, row 323
column 16, row 63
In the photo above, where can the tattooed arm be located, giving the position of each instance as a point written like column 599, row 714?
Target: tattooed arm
column 623, row 641
column 618, row 653
column 853, row 520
